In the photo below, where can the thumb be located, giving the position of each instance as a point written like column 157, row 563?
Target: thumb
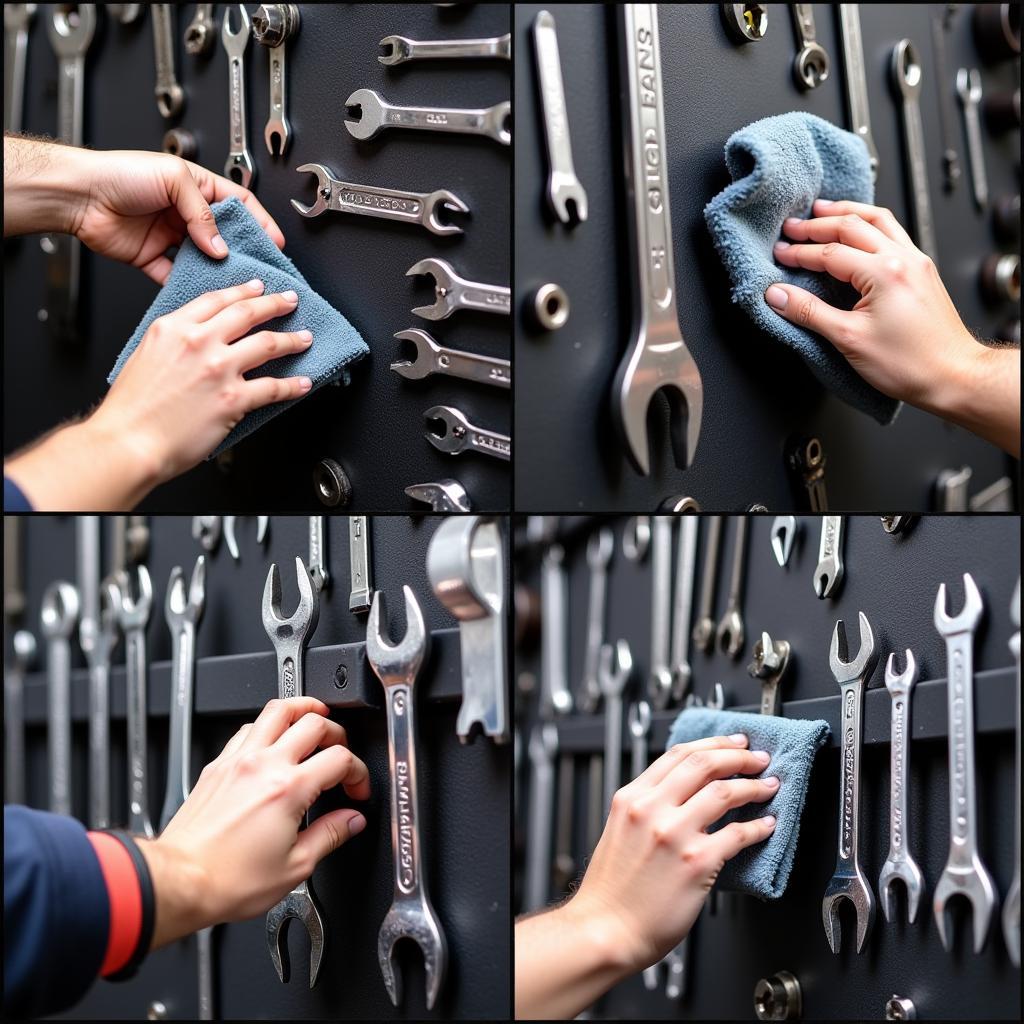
column 800, row 307
column 195, row 211
column 331, row 831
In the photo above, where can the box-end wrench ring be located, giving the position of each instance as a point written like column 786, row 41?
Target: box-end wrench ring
column 459, row 435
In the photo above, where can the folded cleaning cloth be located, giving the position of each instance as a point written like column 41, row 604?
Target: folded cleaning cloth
column 762, row 869
column 251, row 254
column 779, row 166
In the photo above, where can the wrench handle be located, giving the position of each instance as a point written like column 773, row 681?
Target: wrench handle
column 960, row 700
column 856, row 79
column 431, row 49
column 405, row 812
column 852, row 698
column 236, row 82
column 770, row 693
column 99, row 745
column 204, row 951
column 612, row 749
column 661, row 595
column 14, row 78
column 542, row 807
column 182, row 679
column 487, row 298
column 707, row 584
column 552, row 96
column 686, row 571
column 278, row 83
column 597, row 598
column 475, row 122
column 138, row 794
column 919, row 179
column 14, row 737
column 471, row 366
column 899, row 772
column 555, row 695
column 59, row 724
column 976, row 154
column 318, row 553
column 361, row 584
column 738, row 560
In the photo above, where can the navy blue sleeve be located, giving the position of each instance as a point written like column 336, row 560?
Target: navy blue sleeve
column 56, row 912
column 14, row 500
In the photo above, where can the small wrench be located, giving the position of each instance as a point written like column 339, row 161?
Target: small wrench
column 170, row 97
column 565, row 195
column 811, row 64
column 262, row 522
column 239, row 166
column 829, row 573
column 555, row 694
column 430, row 358
column 24, row 650
column 856, row 80
column 368, row 113
column 968, row 87
column 784, row 530
column 387, row 203
column 616, row 666
column 200, row 31
column 58, row 616
column 459, row 435
column 636, row 538
column 17, row 21
column 659, row 682
column 272, row 26
column 543, row 749
column 771, row 659
column 704, row 629
column 360, row 593
column 441, row 495
column 1011, row 905
column 730, row 627
column 600, row 547
column 399, row 49
column 318, row 554
column 686, row 577
column 454, row 292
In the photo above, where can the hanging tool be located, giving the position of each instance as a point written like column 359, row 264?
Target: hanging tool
column 368, row 114
column 458, row 435
column 170, row 97
column 200, row 31
column 272, row 26
column 360, row 594
column 659, row 680
column 23, row 645
column 318, row 554
column 614, row 671
column 206, row 530
column 771, row 659
column 600, row 546
column 454, row 292
column 636, row 538
column 855, row 76
column 686, row 577
column 829, row 572
column 442, row 495
column 239, row 166
column 262, row 523
column 784, row 530
column 729, row 633
column 58, row 616
column 17, row 22
column 1011, row 905
column 968, row 88
column 811, row 64
column 950, row 156
column 399, row 49
column 704, row 628
column 429, row 357
column 555, row 693
column 543, row 749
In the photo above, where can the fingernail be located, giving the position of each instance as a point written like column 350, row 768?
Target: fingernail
column 356, row 825
column 769, row 820
column 219, row 245
column 289, row 296
column 791, row 221
column 762, row 755
column 255, row 284
column 780, row 244
column 776, row 297
column 771, row 781
column 306, row 337
column 738, row 737
column 305, row 383
column 825, row 202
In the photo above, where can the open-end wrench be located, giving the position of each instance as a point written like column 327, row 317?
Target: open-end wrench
column 729, row 633
column 368, row 114
column 318, row 554
column 616, row 666
column 899, row 864
column 811, row 64
column 829, row 572
column 771, row 659
column 565, row 195
column 399, row 49
column 411, row 915
column 856, row 80
column 239, row 166
column 555, row 694
column 968, row 87
column 459, row 435
column 600, row 547
column 360, row 594
column 385, row 203
column 906, row 74
column 183, row 617
column 441, row 495
column 17, row 20
column 58, row 617
column 272, row 26
column 200, row 31
column 454, row 292
column 207, row 530
column 964, row 874
column 1011, row 905
column 262, row 522
column 170, row 97
column 657, row 357
column 659, row 679
column 783, row 534
column 543, row 749
column 704, row 628
column 686, row 577
column 290, row 637
column 849, row 882
column 429, row 358
column 23, row 645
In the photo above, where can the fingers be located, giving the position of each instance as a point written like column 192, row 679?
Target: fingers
column 259, row 348
column 239, row 318
column 268, row 390
column 695, row 771
column 326, row 834
column 206, row 306
column 738, row 835
column 851, row 230
column 878, row 216
column 236, row 741
column 672, row 757
column 278, row 715
column 721, row 795
column 195, row 211
column 215, row 188
column 336, row 766
column 308, row 733
column 800, row 307
column 158, row 269
column 843, row 262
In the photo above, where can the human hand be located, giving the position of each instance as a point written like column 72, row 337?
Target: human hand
column 234, row 848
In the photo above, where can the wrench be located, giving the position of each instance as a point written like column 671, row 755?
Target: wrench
column 784, row 530
column 613, row 683
column 657, row 356
column 183, row 619
column 565, row 864
column 555, row 695
column 290, row 637
column 1011, row 905
column 659, row 682
column 17, row 21
column 360, row 594
column 411, row 915
column 563, row 187
column 543, row 749
column 811, row 64
column 272, row 26
column 829, row 573
column 430, row 358
column 686, row 577
column 459, row 435
column 806, row 457
column 399, row 49
column 125, row 13
column 239, row 166
column 636, row 538
column 906, row 77
column 454, row 292
column 730, row 627
column 771, row 659
column 169, row 95
column 368, row 113
column 849, row 882
column 639, row 729
column 600, row 547
column 386, row 203
column 262, row 522
column 58, row 615
column 318, row 554
column 950, row 156
column 441, row 495
column 964, row 874
column 14, row 569
column 900, row 864
column 704, row 630
column 856, row 80
column 200, row 31
column 24, row 647
column 206, row 530
column 968, row 87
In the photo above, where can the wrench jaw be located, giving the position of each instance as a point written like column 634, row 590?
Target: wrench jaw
column 439, row 200
column 301, row 906
column 401, row 662
column 970, row 614
column 240, row 169
column 170, row 101
column 324, row 183
column 415, row 920
column 901, row 682
column 452, row 440
column 133, row 612
column 364, row 114
column 443, row 281
column 277, row 133
column 442, row 495
column 906, row 871
column 567, row 197
column 976, row 886
column 425, row 351
column 729, row 634
column 855, row 889
column 783, row 534
column 59, row 610
column 176, row 608
column 867, row 657
column 302, row 623
column 827, row 577
column 396, row 50
column 499, row 125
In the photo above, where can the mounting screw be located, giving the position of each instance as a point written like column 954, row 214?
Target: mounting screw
column 341, row 677
column 332, row 484
column 747, row 22
column 899, row 1008
column 778, row 997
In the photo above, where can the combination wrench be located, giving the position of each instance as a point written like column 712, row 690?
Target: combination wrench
column 458, row 435
column 729, row 633
column 272, row 26
column 964, row 874
column 1011, row 905
column 421, row 208
column 24, row 654
column 200, row 31
column 543, row 749
column 239, row 166
column 429, row 358
column 318, row 554
column 360, row 595
column 657, row 357
column 170, row 98
column 704, row 628
column 368, row 114
column 686, row 577
column 811, row 64
column 899, row 864
column 659, row 682
column 906, row 74
column 555, row 694
column 829, row 572
column 968, row 88
column 856, row 80
column 17, row 21
column 290, row 637
column 771, row 659
column 849, row 882
column 411, row 915
column 454, row 292
column 600, row 547
column 616, row 666
column 399, row 49
column 566, row 197
column 58, row 617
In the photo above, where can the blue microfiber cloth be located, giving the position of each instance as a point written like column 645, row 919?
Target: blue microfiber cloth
column 779, row 166
column 762, row 869
column 336, row 343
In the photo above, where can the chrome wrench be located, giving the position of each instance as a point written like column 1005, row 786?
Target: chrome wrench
column 555, row 694
column 1011, row 905
column 784, row 530
column 829, row 572
column 564, row 863
column 704, row 629
column 811, row 64
column 968, row 87
column 239, row 166
column 686, row 577
column 262, row 523
column 24, row 654
column 771, row 659
column 459, row 435
column 659, row 683
column 455, row 292
column 17, row 21
column 441, row 495
column 431, row 358
column 58, row 616
column 657, row 356
column 200, row 31
column 360, row 595
column 615, row 669
column 600, row 546
column 170, row 97
column 563, row 187
column 730, row 627
column 272, row 26
column 399, row 49
column 318, row 554
column 368, row 114
column 543, row 749
column 856, row 80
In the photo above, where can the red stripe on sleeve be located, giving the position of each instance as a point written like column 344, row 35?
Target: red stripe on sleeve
column 125, row 901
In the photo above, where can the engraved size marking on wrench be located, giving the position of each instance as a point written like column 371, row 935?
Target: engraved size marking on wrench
column 369, row 114
column 856, row 80
column 170, row 97
column 239, row 166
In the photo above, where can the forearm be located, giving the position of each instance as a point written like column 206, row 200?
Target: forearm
column 44, row 185
column 178, row 885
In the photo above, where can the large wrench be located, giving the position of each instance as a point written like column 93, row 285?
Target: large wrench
column 543, row 749
column 58, row 616
column 169, row 95
column 360, row 594
column 964, row 874
column 829, row 572
column 239, row 166
column 686, row 577
column 657, row 356
column 704, row 628
column 730, row 627
column 563, row 187
column 659, row 681
column 411, row 915
column 430, row 358
column 24, row 653
column 900, row 864
column 968, row 87
column 600, row 546
column 369, row 114
column 811, row 64
column 555, row 695
column 459, row 435
column 849, row 882
column 856, row 80
column 906, row 77
column 272, row 26
column 1011, row 905
column 615, row 669
column 454, row 292
column 386, row 203
column 399, row 49
column 17, row 20
column 290, row 637
column 200, row 31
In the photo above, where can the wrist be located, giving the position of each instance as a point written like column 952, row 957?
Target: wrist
column 46, row 186
column 179, row 889
column 136, row 460
column 606, row 950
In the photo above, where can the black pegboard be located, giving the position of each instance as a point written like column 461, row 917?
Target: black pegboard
column 374, row 427
column 756, row 394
